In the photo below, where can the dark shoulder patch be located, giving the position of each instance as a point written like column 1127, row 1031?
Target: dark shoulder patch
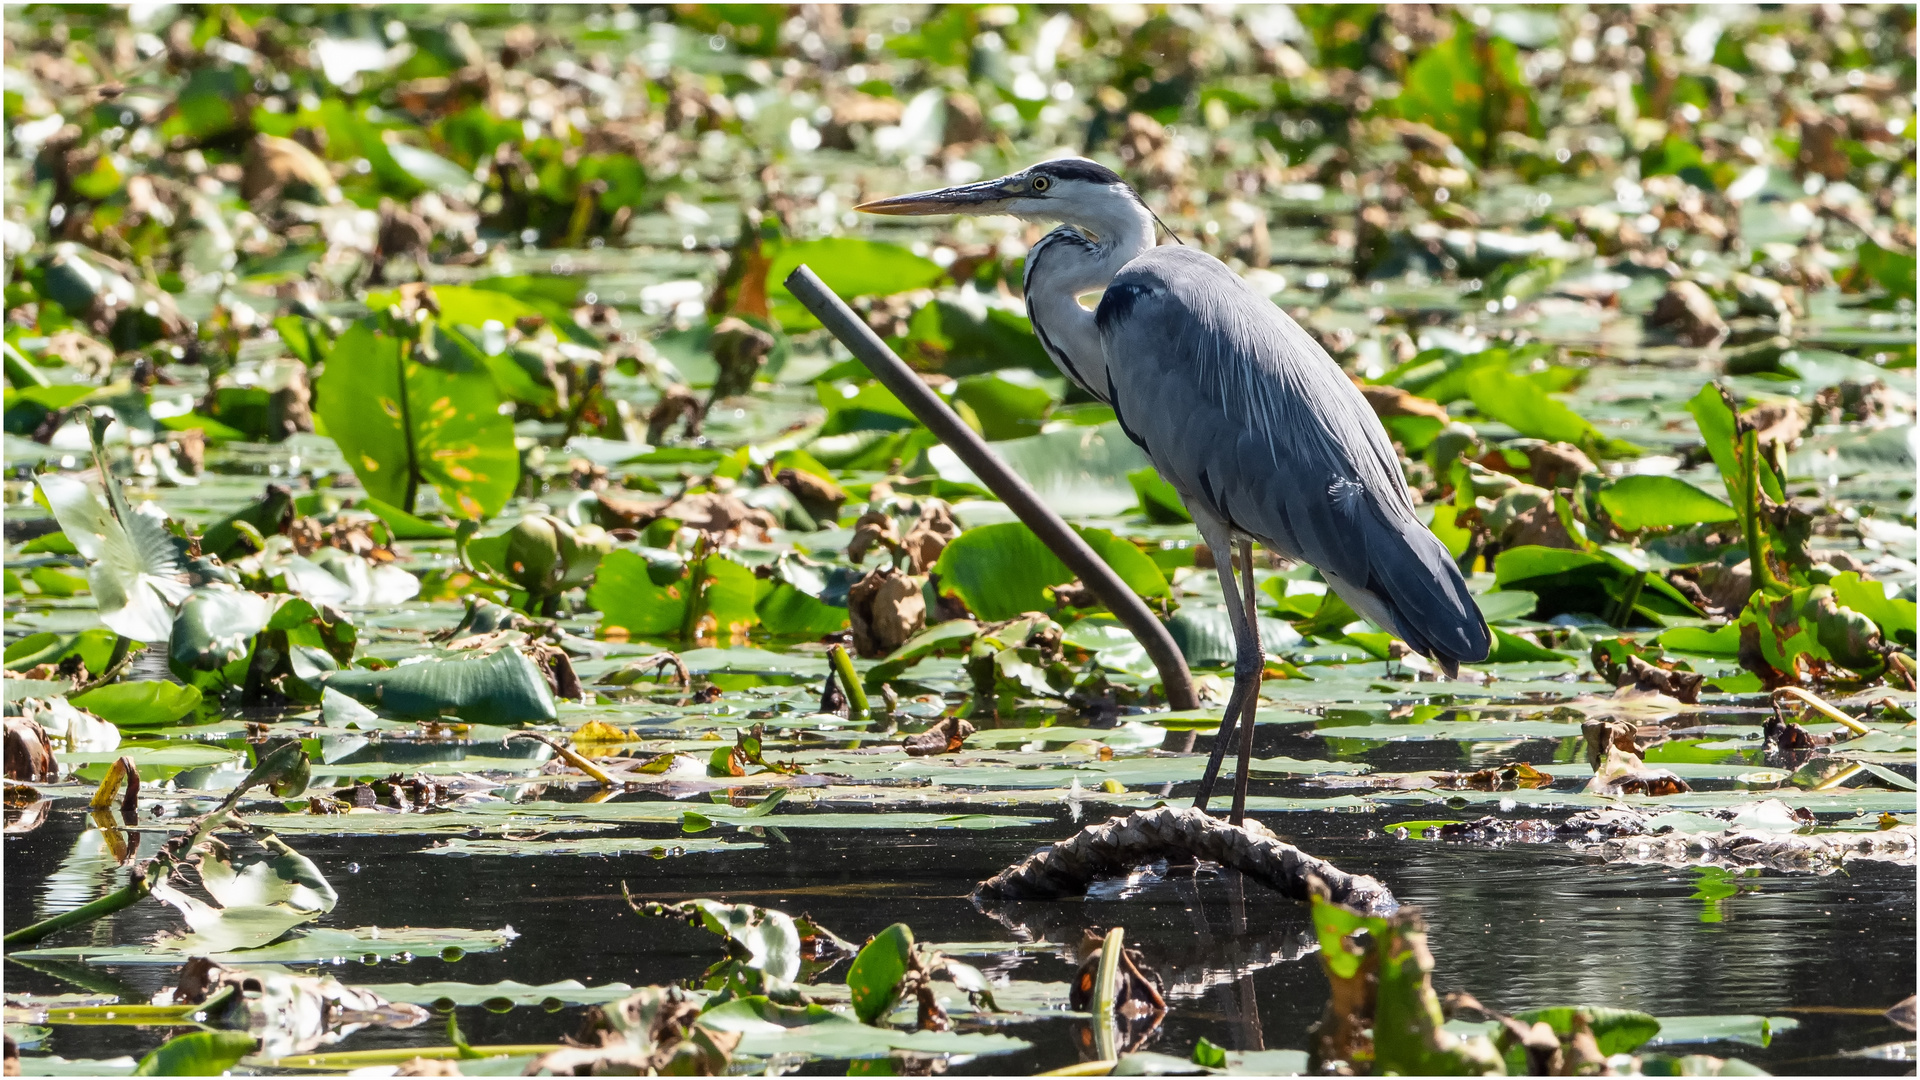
column 1117, row 303
column 1078, row 169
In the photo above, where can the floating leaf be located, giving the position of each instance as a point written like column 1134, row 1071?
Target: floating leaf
column 1523, row 406
column 1076, row 470
column 301, row 946
column 502, row 688
column 1001, row 571
column 603, row 846
column 1618, row 1031
column 1010, row 404
column 442, row 995
column 200, row 1053
column 767, row 1028
column 1747, row 1029
column 139, row 704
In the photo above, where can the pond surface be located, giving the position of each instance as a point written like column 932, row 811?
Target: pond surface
column 1530, row 259
column 1516, row 926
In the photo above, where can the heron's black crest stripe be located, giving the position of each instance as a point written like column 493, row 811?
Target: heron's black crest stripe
column 1078, row 169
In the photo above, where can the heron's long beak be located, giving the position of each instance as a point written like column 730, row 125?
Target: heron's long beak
column 986, row 197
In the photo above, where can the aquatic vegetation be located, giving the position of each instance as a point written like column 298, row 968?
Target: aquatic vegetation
column 430, row 513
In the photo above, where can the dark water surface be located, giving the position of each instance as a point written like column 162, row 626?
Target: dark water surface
column 1517, row 927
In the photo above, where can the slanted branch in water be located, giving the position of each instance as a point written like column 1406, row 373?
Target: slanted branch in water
column 1115, row 847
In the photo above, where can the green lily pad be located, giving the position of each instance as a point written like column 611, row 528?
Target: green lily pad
column 441, row 995
column 139, row 704
column 767, row 1028
column 301, row 947
column 600, row 845
column 502, row 688
column 1746, row 1029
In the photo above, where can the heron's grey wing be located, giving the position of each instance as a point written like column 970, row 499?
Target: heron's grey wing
column 1243, row 412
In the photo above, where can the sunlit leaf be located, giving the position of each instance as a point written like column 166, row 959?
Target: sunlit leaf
column 1076, row 470
column 135, row 577
column 140, row 704
column 199, row 1053
column 403, row 425
column 1003, row 570
column 502, row 688
column 1643, row 502
column 850, row 267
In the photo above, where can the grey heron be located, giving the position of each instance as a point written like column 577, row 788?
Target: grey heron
column 1257, row 428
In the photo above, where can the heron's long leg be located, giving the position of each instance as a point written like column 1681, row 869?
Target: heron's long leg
column 1252, row 693
column 1246, row 652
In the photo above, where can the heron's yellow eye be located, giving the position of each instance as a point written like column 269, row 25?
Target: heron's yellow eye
column 1041, row 183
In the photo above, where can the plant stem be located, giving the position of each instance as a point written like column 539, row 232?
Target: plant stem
column 139, row 1015
column 126, row 896
column 857, row 708
column 1821, row 706
column 570, row 756
column 116, row 663
column 1104, row 988
column 696, row 595
column 1624, row 610
column 1756, row 544
column 406, row 432
column 590, row 381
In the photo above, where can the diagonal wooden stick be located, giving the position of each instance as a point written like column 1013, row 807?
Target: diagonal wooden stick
column 926, row 407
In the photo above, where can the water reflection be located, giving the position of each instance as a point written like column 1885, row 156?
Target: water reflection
column 1518, row 927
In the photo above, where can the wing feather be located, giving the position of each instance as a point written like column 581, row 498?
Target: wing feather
column 1244, row 413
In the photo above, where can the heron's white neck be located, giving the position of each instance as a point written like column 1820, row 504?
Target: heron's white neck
column 1082, row 257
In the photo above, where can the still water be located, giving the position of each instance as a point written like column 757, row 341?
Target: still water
column 1517, row 927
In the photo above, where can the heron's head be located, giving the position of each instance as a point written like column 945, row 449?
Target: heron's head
column 1073, row 190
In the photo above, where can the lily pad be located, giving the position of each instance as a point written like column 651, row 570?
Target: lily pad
column 602, row 846
column 139, row 704
column 767, row 1028
column 502, row 688
column 300, row 947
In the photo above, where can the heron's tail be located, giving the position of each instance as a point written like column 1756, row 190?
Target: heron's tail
column 1412, row 579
